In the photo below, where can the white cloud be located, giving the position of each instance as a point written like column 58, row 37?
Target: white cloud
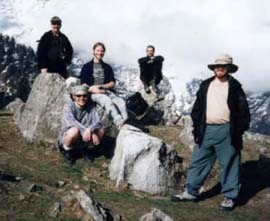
column 189, row 34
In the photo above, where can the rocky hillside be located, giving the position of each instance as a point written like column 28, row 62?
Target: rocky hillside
column 46, row 190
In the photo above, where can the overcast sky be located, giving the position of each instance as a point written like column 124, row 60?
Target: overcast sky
column 189, row 34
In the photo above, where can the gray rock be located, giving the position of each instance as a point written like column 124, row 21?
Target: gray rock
column 55, row 210
column 16, row 107
column 35, row 188
column 21, row 197
column 60, row 183
column 145, row 162
column 155, row 215
column 92, row 207
column 186, row 135
column 40, row 119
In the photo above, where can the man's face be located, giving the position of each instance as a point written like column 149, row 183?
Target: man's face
column 81, row 98
column 221, row 71
column 150, row 52
column 99, row 52
column 55, row 27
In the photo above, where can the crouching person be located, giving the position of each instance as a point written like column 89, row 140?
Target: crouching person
column 81, row 125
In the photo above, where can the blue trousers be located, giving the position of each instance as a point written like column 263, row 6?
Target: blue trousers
column 216, row 145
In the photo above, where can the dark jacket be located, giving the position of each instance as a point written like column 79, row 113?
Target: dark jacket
column 87, row 76
column 239, row 112
column 150, row 70
column 54, row 53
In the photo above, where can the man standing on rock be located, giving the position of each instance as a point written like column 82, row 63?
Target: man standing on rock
column 151, row 70
column 54, row 50
column 99, row 76
column 81, row 125
column 220, row 116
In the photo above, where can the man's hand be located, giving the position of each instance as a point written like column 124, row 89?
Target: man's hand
column 87, row 135
column 44, row 70
column 95, row 139
column 95, row 89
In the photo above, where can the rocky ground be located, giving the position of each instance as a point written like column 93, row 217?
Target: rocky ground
column 44, row 191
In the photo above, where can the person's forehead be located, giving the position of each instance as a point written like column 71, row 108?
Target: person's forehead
column 81, row 92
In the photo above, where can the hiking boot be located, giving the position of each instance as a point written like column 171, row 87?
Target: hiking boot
column 88, row 156
column 227, row 204
column 183, row 197
column 59, row 146
column 69, row 157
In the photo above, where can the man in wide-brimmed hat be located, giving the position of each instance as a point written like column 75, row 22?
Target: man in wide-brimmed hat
column 220, row 116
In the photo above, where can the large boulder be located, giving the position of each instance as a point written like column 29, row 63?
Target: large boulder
column 39, row 119
column 146, row 163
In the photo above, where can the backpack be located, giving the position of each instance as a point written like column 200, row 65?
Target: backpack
column 136, row 105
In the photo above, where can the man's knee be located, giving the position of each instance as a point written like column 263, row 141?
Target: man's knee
column 73, row 133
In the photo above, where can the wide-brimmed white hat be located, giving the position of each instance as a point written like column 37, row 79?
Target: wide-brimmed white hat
column 224, row 59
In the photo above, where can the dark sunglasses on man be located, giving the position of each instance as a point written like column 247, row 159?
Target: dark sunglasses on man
column 81, row 95
column 56, row 23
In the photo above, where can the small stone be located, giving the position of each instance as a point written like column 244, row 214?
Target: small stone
column 105, row 165
column 76, row 186
column 155, row 214
column 117, row 217
column 55, row 210
column 267, row 196
column 21, row 197
column 60, row 183
column 35, row 188
column 85, row 178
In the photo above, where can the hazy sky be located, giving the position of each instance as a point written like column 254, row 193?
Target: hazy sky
column 189, row 34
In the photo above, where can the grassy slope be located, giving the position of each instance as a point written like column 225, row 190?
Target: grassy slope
column 42, row 165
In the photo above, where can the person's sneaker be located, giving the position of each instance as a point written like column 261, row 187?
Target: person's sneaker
column 147, row 90
column 183, row 197
column 227, row 204
column 69, row 157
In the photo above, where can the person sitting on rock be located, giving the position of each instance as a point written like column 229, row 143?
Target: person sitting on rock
column 81, row 125
column 99, row 76
column 54, row 51
column 151, row 70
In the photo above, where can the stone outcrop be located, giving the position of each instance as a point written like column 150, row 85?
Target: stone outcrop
column 146, row 163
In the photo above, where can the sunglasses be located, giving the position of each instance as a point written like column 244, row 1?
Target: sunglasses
column 56, row 23
column 81, row 95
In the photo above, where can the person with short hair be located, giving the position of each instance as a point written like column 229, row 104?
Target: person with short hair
column 99, row 76
column 54, row 51
column 220, row 116
column 81, row 125
column 151, row 70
